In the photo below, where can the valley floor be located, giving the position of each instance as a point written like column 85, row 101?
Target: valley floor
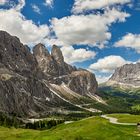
column 95, row 128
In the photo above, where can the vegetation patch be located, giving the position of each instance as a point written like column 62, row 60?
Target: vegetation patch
column 126, row 118
column 95, row 128
column 120, row 101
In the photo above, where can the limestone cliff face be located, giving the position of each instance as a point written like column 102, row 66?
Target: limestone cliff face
column 80, row 81
column 45, row 61
column 22, row 92
column 14, row 55
column 26, row 78
column 127, row 75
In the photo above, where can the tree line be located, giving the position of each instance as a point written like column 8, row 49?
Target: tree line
column 43, row 124
column 13, row 121
column 9, row 121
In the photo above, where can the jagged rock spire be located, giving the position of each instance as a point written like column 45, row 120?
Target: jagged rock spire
column 40, row 50
column 57, row 54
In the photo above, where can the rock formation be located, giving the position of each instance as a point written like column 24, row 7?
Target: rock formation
column 26, row 79
column 53, row 65
column 126, row 76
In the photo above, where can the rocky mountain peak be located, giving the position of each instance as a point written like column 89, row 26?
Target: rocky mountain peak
column 5, row 37
column 57, row 54
column 127, row 75
column 14, row 55
column 80, row 81
column 45, row 61
column 40, row 50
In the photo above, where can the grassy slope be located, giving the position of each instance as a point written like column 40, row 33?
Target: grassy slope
column 119, row 100
column 91, row 129
column 126, row 118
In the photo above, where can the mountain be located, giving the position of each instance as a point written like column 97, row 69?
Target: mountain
column 127, row 76
column 58, row 72
column 122, row 90
column 40, row 83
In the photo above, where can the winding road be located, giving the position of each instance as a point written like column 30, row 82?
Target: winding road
column 115, row 120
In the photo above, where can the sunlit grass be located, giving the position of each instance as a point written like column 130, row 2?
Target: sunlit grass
column 95, row 128
column 126, row 118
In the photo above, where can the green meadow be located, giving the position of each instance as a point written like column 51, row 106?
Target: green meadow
column 126, row 118
column 95, row 128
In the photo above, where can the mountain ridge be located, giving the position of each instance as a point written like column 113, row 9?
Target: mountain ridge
column 127, row 76
column 27, row 81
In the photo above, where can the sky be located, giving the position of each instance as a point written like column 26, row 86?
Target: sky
column 98, row 35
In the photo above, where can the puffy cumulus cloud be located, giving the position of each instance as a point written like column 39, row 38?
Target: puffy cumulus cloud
column 16, row 24
column 108, row 64
column 81, row 6
column 50, row 41
column 2, row 2
column 130, row 41
column 115, row 15
column 72, row 55
column 75, row 30
column 35, row 8
column 92, row 29
column 49, row 3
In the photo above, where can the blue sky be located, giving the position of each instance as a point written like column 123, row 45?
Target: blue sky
column 98, row 35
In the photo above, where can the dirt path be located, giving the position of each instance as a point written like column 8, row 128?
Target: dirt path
column 115, row 120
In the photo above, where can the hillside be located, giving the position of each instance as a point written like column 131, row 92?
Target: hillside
column 95, row 128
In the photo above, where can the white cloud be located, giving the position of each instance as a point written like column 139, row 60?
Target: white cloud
column 2, row 2
column 102, row 79
column 20, row 5
column 81, row 6
column 72, row 55
column 9, row 3
column 49, row 3
column 16, row 24
column 75, row 30
column 130, row 41
column 90, row 29
column 50, row 41
column 108, row 64
column 36, row 9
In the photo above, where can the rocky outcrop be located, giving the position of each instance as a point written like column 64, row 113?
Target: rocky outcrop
column 53, row 65
column 45, row 61
column 80, row 81
column 26, row 78
column 14, row 55
column 126, row 76
column 57, row 55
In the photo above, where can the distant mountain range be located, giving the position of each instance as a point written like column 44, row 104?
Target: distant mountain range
column 127, row 77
